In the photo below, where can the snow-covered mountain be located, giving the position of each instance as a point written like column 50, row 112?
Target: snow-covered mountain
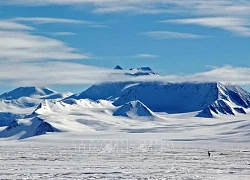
column 209, row 98
column 142, row 71
column 118, row 67
column 117, row 106
column 27, row 92
column 22, row 101
column 101, row 91
column 232, row 100
column 108, row 90
column 33, row 93
column 28, row 127
column 133, row 109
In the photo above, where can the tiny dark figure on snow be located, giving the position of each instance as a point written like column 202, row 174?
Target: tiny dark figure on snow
column 208, row 153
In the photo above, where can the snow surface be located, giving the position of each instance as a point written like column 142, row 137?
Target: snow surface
column 133, row 108
column 122, row 156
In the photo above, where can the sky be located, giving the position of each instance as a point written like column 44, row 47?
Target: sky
column 68, row 45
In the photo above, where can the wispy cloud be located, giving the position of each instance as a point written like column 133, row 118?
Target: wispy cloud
column 51, row 73
column 24, row 46
column 225, row 74
column 9, row 25
column 212, row 7
column 62, row 33
column 49, row 20
column 171, row 35
column 239, row 26
column 66, row 73
column 18, row 43
column 146, row 56
column 229, row 15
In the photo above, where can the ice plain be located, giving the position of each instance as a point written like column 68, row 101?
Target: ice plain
column 169, row 152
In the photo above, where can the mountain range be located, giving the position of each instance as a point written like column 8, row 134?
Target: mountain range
column 31, row 111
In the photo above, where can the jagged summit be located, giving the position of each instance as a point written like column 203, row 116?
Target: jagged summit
column 26, row 92
column 231, row 100
column 142, row 71
column 118, row 67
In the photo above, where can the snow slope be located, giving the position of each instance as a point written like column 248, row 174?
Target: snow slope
column 26, row 92
column 124, row 107
column 22, row 101
column 209, row 98
column 24, row 128
column 232, row 100
column 133, row 109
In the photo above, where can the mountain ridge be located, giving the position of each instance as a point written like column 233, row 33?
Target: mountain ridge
column 117, row 105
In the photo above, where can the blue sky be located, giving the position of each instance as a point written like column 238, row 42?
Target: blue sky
column 69, row 44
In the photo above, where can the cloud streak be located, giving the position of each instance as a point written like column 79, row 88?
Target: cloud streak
column 9, row 25
column 171, row 35
column 146, row 56
column 20, row 43
column 49, row 20
column 230, row 15
column 239, row 26
column 24, row 46
column 67, row 73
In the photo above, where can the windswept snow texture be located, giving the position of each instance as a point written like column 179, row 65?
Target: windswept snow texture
column 134, row 108
column 122, row 156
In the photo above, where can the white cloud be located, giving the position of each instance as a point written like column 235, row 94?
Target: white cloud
column 146, row 56
column 24, row 46
column 229, row 15
column 238, row 26
column 62, row 33
column 66, row 73
column 51, row 73
column 49, row 20
column 18, row 43
column 171, row 35
column 225, row 74
column 215, row 7
column 8, row 25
